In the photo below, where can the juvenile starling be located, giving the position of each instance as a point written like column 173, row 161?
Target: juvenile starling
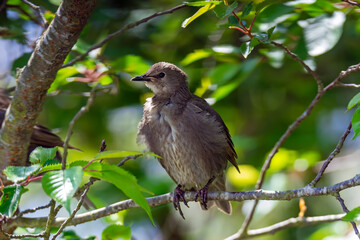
column 190, row 136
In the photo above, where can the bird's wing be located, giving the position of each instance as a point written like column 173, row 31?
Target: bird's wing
column 203, row 110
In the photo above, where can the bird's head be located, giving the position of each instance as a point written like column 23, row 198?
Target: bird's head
column 163, row 79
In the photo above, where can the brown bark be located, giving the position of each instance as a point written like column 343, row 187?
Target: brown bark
column 35, row 78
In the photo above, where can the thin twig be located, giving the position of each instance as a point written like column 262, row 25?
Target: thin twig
column 38, row 13
column 22, row 236
column 84, row 109
column 50, row 219
column 127, row 159
column 307, row 68
column 242, row 231
column 82, row 198
column 291, row 222
column 346, row 210
column 78, row 206
column 23, row 12
column 353, row 85
column 34, row 209
column 120, row 31
column 331, row 156
column 351, row 2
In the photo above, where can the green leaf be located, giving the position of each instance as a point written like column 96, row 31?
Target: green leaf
column 116, row 231
column 222, row 10
column 200, row 12
column 247, row 47
column 71, row 235
column 225, row 90
column 50, row 167
column 196, row 55
column 323, row 32
column 201, row 3
column 61, row 185
column 20, row 173
column 223, row 73
column 134, row 65
column 355, row 121
column 62, row 77
column 353, row 215
column 122, row 179
column 118, row 154
column 41, row 154
column 354, row 101
column 263, row 37
column 10, row 199
column 233, row 21
column 247, row 9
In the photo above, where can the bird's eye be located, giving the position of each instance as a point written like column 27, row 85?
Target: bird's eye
column 161, row 75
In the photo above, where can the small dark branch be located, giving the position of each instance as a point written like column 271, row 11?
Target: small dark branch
column 242, row 231
column 127, row 159
column 307, row 68
column 120, row 31
column 346, row 210
column 348, row 85
column 189, row 196
column 81, row 200
column 67, row 221
column 82, row 110
column 291, row 222
column 331, row 156
column 23, row 12
column 22, row 236
column 34, row 209
column 351, row 2
column 2, row 5
column 38, row 13
column 50, row 219
column 342, row 75
column 252, row 23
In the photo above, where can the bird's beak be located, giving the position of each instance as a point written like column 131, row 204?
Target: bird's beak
column 141, row 78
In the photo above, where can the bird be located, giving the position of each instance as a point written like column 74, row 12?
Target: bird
column 190, row 137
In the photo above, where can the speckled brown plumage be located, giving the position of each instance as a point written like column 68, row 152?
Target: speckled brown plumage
column 185, row 131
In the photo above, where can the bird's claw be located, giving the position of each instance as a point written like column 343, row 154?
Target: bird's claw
column 202, row 194
column 179, row 195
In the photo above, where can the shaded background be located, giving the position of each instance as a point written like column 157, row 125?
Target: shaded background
column 257, row 97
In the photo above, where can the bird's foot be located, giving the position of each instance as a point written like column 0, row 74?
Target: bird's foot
column 179, row 195
column 202, row 194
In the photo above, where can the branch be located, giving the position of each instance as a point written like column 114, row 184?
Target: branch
column 349, row 85
column 82, row 110
column 190, row 196
column 351, row 2
column 346, row 210
column 120, row 31
column 38, row 13
column 331, row 156
column 289, row 130
column 291, row 222
column 36, row 77
column 296, row 58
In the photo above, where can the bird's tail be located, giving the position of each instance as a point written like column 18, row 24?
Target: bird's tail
column 219, row 185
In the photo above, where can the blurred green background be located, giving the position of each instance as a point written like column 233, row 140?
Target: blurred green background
column 258, row 97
